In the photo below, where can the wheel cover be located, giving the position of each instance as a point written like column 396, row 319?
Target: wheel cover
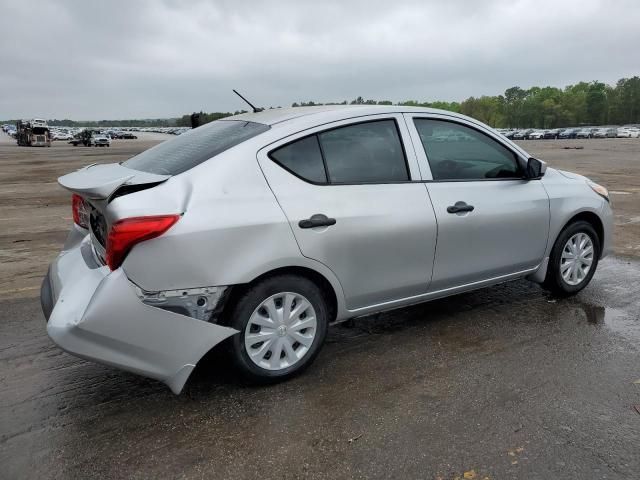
column 280, row 331
column 576, row 260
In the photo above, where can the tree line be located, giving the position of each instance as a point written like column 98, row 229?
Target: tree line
column 185, row 120
column 585, row 103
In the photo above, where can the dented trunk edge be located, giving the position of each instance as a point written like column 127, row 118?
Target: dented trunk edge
column 97, row 315
column 99, row 181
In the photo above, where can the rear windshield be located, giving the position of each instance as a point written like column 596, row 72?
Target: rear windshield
column 194, row 147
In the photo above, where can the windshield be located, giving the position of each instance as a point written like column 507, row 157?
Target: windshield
column 194, row 147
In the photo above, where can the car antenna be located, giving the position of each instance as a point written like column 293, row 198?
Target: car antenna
column 255, row 110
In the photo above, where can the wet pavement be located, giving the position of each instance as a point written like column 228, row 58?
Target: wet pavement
column 505, row 382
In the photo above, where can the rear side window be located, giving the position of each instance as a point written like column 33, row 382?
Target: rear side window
column 303, row 158
column 364, row 153
column 194, row 147
column 369, row 152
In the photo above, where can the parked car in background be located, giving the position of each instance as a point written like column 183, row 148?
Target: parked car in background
column 605, row 133
column 522, row 134
column 100, row 140
column 536, row 135
column 114, row 134
column 600, row 133
column 584, row 133
column 634, row 131
column 251, row 229
column 128, row 136
column 568, row 133
column 62, row 136
column 551, row 134
column 628, row 132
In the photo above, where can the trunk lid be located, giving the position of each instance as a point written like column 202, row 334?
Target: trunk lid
column 99, row 181
column 98, row 184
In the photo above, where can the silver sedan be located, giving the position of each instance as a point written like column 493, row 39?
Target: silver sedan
column 264, row 228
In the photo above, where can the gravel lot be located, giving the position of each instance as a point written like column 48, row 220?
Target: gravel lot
column 505, row 382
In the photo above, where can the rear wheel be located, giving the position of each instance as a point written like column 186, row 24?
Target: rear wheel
column 283, row 323
column 573, row 259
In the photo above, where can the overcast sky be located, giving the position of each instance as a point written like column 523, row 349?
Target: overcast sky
column 86, row 60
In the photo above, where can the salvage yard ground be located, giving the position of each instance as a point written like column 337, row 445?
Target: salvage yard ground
column 505, row 382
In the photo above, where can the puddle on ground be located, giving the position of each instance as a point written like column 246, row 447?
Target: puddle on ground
column 615, row 320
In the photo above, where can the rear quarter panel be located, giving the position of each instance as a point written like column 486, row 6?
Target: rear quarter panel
column 232, row 229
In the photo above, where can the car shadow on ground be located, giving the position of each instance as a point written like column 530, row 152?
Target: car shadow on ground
column 215, row 369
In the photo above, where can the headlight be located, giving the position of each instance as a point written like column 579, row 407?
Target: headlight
column 599, row 189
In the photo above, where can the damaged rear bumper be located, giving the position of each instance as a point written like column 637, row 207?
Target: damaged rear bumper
column 96, row 314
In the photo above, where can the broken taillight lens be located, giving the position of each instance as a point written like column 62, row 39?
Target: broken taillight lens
column 80, row 210
column 126, row 233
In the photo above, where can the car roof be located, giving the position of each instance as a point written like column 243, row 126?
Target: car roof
column 296, row 119
column 323, row 113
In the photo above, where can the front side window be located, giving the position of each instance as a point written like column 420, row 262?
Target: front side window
column 457, row 152
column 369, row 152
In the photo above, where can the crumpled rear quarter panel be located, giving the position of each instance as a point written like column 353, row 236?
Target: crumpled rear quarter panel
column 232, row 229
column 98, row 316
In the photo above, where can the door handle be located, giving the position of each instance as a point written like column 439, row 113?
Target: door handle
column 460, row 207
column 317, row 220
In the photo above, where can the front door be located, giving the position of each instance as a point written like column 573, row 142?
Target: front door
column 491, row 221
column 346, row 190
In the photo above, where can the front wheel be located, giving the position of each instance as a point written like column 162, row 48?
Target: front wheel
column 283, row 322
column 573, row 259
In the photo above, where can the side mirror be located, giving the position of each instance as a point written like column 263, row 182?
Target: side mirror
column 535, row 168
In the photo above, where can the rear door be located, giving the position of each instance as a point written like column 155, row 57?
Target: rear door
column 491, row 222
column 347, row 191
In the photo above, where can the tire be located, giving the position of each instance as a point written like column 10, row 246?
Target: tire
column 248, row 308
column 560, row 285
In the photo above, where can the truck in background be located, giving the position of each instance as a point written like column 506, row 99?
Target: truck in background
column 91, row 138
column 33, row 133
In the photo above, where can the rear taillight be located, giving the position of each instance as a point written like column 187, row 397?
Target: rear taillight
column 80, row 210
column 126, row 233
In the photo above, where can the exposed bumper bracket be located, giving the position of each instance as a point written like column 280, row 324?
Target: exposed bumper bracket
column 198, row 303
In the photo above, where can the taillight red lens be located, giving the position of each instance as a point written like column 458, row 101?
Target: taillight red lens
column 126, row 233
column 80, row 211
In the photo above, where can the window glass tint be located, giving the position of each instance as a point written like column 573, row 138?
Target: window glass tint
column 366, row 152
column 303, row 158
column 194, row 147
column 456, row 152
